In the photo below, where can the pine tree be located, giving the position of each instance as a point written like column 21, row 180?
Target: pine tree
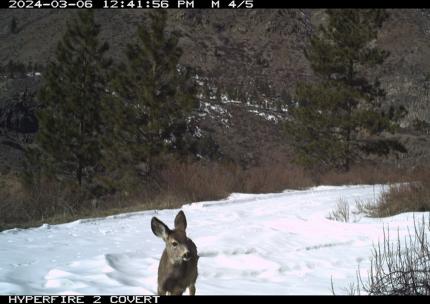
column 156, row 94
column 70, row 119
column 337, row 121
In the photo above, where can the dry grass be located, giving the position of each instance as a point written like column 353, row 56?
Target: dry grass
column 21, row 206
column 198, row 181
column 176, row 184
column 274, row 178
column 406, row 197
column 365, row 174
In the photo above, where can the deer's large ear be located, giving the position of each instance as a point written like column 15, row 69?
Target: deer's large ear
column 180, row 221
column 159, row 228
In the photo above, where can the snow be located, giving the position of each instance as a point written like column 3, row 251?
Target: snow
column 280, row 243
column 217, row 111
column 33, row 74
column 266, row 116
column 226, row 99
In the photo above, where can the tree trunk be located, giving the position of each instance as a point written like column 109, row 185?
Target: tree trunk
column 79, row 174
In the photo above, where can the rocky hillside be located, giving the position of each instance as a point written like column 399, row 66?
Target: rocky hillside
column 253, row 53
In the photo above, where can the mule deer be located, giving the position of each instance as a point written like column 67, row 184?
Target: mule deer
column 177, row 270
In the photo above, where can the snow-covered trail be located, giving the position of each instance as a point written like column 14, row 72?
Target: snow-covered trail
column 249, row 244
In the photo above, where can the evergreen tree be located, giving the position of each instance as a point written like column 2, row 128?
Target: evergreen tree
column 71, row 125
column 337, row 121
column 155, row 93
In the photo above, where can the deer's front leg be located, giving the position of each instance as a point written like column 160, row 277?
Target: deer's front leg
column 192, row 289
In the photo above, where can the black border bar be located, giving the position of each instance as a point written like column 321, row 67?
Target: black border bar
column 142, row 299
column 203, row 4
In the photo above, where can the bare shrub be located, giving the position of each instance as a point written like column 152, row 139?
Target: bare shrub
column 365, row 207
column 34, row 204
column 341, row 213
column 274, row 178
column 198, row 181
column 398, row 268
column 405, row 197
column 170, row 186
column 364, row 174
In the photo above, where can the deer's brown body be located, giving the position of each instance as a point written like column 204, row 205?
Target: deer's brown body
column 177, row 270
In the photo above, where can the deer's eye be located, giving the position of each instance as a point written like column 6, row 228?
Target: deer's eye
column 174, row 244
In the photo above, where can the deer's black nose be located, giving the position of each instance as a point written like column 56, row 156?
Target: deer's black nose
column 186, row 255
